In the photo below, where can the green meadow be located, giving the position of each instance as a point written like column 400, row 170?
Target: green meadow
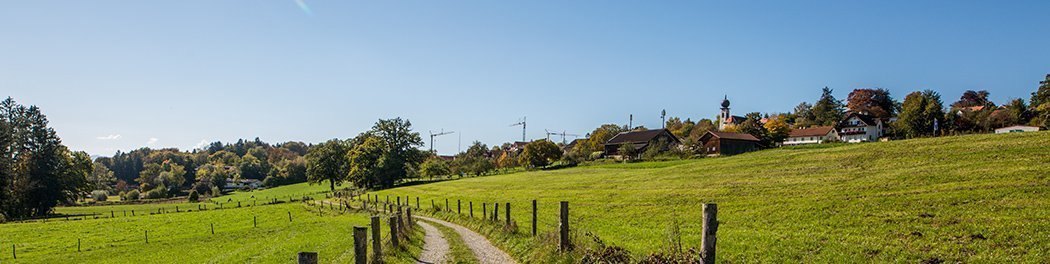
column 977, row 198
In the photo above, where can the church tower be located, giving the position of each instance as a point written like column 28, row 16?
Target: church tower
column 723, row 118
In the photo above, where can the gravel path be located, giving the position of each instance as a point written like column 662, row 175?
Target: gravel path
column 483, row 249
column 435, row 247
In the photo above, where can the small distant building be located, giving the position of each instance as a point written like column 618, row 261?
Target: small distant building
column 815, row 135
column 861, row 128
column 517, row 147
column 243, row 184
column 568, row 147
column 728, row 143
column 1015, row 129
column 641, row 140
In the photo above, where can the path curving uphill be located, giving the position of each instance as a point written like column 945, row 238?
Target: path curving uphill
column 483, row 250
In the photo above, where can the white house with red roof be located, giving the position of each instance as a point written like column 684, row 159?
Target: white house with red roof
column 861, row 128
column 814, row 135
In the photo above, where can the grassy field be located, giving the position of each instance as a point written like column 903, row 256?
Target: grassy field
column 979, row 198
column 247, row 198
column 186, row 237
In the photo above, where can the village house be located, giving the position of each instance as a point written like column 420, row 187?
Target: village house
column 728, row 143
column 641, row 140
column 815, row 135
column 1015, row 129
column 861, row 128
column 237, row 184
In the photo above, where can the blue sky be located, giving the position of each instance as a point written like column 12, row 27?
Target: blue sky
column 177, row 73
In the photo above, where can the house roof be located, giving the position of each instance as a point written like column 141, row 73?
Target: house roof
column 1018, row 127
column 573, row 143
column 735, row 119
column 866, row 119
column 731, row 135
column 811, row 132
column 639, row 136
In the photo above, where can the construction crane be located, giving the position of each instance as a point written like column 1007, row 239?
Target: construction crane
column 432, row 135
column 562, row 134
column 522, row 124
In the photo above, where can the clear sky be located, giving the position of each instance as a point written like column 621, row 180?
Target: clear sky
column 118, row 75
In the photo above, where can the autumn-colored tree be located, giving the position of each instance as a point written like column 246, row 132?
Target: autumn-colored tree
column 778, row 129
column 874, row 102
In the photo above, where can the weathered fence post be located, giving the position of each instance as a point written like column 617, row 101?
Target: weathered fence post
column 78, row 245
column 400, row 222
column 710, row 228
column 408, row 212
column 377, row 242
column 417, row 203
column 398, row 201
column 495, row 212
column 13, row 254
column 393, row 232
column 484, row 211
column 360, row 245
column 471, row 209
column 508, row 213
column 564, row 227
column 289, row 216
column 534, row 217
column 307, row 257
column 458, row 207
column 212, row 228
column 446, row 205
column 255, row 221
column 432, row 205
column 147, row 236
column 112, row 214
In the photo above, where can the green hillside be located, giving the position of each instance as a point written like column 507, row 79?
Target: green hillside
column 979, row 198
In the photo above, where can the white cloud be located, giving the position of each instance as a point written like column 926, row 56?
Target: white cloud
column 201, row 145
column 151, row 141
column 109, row 137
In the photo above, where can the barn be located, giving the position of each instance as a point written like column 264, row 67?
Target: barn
column 728, row 143
column 640, row 139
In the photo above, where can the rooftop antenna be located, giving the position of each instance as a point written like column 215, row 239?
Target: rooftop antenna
column 522, row 124
column 663, row 118
column 432, row 135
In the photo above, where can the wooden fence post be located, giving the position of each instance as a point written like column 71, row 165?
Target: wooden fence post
column 377, row 242
column 360, row 245
column 417, row 203
column 484, row 211
column 14, row 255
column 495, row 212
column 255, row 221
column 398, row 201
column 458, row 205
column 564, row 227
column 508, row 213
column 710, row 228
column 408, row 212
column 147, row 236
column 212, row 228
column 471, row 209
column 307, row 257
column 446, row 205
column 393, row 232
column 78, row 245
column 534, row 217
column 432, row 206
column 400, row 222
column 289, row 216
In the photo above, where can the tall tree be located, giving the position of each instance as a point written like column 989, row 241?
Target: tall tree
column 540, row 153
column 327, row 162
column 778, row 129
column 101, row 178
column 921, row 114
column 1040, row 103
column 874, row 102
column 828, row 111
column 401, row 152
column 364, row 162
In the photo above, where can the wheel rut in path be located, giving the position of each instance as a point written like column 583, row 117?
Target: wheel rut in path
column 483, row 250
column 435, row 246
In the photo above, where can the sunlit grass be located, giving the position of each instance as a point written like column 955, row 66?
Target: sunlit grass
column 978, row 198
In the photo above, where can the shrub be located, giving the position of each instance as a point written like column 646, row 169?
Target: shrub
column 100, row 195
column 132, row 195
column 157, row 193
column 194, row 197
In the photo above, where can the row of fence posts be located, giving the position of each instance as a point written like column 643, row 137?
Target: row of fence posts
column 400, row 223
column 709, row 225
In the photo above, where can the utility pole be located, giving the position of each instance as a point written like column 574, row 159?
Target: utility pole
column 432, row 135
